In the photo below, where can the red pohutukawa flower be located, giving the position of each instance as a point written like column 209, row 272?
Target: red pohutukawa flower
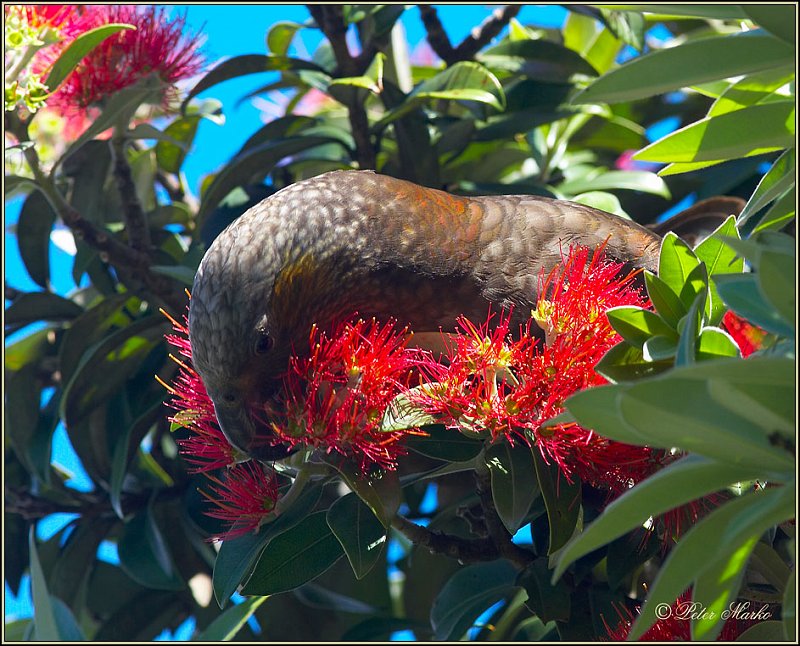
column 498, row 385
column 244, row 498
column 677, row 622
column 747, row 336
column 157, row 47
column 335, row 398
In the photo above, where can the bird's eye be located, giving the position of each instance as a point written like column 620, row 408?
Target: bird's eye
column 263, row 343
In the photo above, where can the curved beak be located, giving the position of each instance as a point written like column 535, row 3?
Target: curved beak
column 239, row 429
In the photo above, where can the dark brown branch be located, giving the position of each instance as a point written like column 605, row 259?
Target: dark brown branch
column 32, row 507
column 330, row 20
column 472, row 44
column 132, row 211
column 498, row 534
column 462, row 549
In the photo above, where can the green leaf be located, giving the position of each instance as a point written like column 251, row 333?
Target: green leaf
column 636, row 325
column 445, row 444
column 683, row 481
column 780, row 214
column 676, row 67
column 514, row 484
column 716, row 588
column 280, row 36
column 542, row 60
column 255, row 164
column 402, row 413
column 625, row 362
column 171, row 153
column 35, row 223
column 360, row 533
column 714, row 343
column 766, row 632
column 469, row 592
column 549, row 601
column 728, row 528
column 108, row 365
column 145, row 556
column 643, row 181
column 607, row 202
column 379, row 490
column 237, row 557
column 741, row 293
column 120, row 108
column 28, row 349
column 295, row 557
column 719, row 259
column 16, row 184
column 40, row 306
column 465, row 81
column 77, row 49
column 752, row 89
column 661, row 348
column 180, row 273
column 687, row 344
column 597, row 408
column 248, row 64
column 664, row 299
column 777, row 279
column 225, row 627
column 44, row 615
column 750, row 131
column 717, row 11
column 779, row 20
column 562, row 499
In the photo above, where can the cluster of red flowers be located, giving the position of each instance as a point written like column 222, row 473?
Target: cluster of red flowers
column 336, row 397
column 496, row 385
column 492, row 383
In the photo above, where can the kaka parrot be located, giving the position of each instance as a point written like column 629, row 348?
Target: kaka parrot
column 346, row 241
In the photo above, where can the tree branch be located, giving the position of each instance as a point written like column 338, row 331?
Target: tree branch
column 472, row 44
column 463, row 549
column 132, row 211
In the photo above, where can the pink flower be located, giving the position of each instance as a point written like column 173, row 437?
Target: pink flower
column 157, row 46
column 335, row 398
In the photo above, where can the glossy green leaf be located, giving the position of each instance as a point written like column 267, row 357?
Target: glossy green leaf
column 360, row 533
column 716, row 588
column 549, row 601
column 445, row 444
column 145, row 556
column 781, row 213
column 295, row 557
column 255, row 164
column 607, row 202
column 237, row 556
column 28, row 349
column 280, row 36
column 628, row 26
column 108, row 365
column 280, row 128
column 719, row 259
column 643, row 181
column 765, row 632
column 777, row 279
column 626, row 556
column 660, row 348
column 664, row 299
column 676, row 67
column 14, row 185
column 683, row 481
column 714, row 343
column 225, row 627
column 248, row 64
column 728, row 527
column 403, row 414
column 317, row 596
column 741, row 293
column 180, row 273
column 36, row 220
column 753, row 89
column 542, row 59
column 171, row 153
column 77, row 49
column 22, row 419
column 514, row 484
column 687, row 344
column 40, row 306
column 750, row 131
column 625, row 362
column 562, row 499
column 469, row 592
column 778, row 19
column 636, row 325
column 717, row 11
column 380, row 490
column 597, row 408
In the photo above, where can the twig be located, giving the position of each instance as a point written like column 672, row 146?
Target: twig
column 132, row 211
column 463, row 549
column 472, row 44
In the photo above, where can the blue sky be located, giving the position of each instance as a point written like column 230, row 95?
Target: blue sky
column 228, row 30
